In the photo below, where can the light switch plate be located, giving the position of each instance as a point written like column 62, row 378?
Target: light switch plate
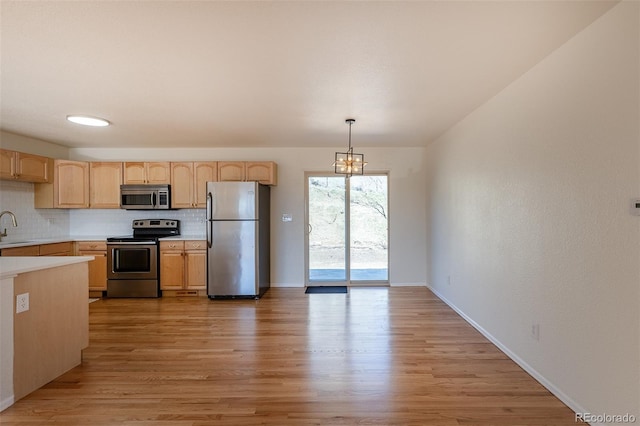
column 22, row 302
column 635, row 206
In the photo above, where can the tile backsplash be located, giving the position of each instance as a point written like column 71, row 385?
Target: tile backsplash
column 17, row 197
column 113, row 222
column 60, row 223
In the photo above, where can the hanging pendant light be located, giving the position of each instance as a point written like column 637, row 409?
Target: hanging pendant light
column 348, row 163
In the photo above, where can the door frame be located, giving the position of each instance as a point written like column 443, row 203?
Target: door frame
column 347, row 281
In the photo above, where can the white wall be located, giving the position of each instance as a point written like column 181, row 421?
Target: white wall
column 407, row 201
column 528, row 213
column 30, row 145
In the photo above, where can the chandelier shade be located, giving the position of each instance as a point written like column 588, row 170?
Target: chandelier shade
column 349, row 163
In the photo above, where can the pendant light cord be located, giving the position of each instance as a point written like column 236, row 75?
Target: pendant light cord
column 350, row 121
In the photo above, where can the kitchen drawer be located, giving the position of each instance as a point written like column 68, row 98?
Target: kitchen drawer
column 65, row 248
column 92, row 245
column 195, row 245
column 171, row 245
column 21, row 251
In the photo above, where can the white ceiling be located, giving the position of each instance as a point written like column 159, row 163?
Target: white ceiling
column 267, row 73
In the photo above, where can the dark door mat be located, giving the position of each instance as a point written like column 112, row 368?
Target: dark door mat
column 326, row 290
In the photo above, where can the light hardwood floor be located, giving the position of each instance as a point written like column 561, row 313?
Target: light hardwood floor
column 383, row 356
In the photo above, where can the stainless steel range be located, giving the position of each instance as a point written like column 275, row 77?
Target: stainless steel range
column 133, row 262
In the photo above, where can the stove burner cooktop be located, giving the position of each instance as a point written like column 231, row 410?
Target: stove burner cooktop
column 149, row 230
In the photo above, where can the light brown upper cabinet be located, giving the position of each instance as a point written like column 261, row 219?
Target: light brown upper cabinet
column 265, row 172
column 147, row 172
column 105, row 179
column 181, row 185
column 24, row 167
column 70, row 187
column 7, row 164
column 231, row 171
column 203, row 172
column 189, row 183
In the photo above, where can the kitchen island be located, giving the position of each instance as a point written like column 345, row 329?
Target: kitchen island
column 47, row 338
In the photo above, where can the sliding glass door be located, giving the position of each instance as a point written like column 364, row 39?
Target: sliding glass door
column 347, row 229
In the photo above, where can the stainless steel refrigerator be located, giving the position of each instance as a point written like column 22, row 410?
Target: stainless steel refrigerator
column 237, row 239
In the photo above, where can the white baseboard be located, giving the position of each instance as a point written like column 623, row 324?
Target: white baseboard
column 298, row 285
column 566, row 399
column 423, row 284
column 6, row 403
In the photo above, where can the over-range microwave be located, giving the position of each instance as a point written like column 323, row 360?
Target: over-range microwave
column 145, row 197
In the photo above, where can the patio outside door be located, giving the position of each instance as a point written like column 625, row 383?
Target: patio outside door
column 347, row 224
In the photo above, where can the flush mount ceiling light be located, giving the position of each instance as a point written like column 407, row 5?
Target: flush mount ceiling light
column 348, row 163
column 86, row 120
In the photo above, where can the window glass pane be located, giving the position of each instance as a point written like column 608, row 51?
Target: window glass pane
column 368, row 228
column 327, row 245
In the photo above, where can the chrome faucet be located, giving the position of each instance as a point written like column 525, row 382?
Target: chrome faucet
column 13, row 220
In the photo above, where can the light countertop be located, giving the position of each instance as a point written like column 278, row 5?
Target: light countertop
column 39, row 241
column 184, row 238
column 12, row 266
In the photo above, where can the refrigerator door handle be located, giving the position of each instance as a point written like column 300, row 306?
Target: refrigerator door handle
column 209, row 201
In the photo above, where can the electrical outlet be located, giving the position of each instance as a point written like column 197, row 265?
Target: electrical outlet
column 535, row 331
column 22, row 303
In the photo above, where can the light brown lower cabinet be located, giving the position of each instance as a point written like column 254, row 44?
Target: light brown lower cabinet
column 195, row 253
column 57, row 249
column 21, row 251
column 183, row 268
column 53, row 249
column 97, row 267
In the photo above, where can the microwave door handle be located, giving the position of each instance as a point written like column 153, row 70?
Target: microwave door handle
column 153, row 200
